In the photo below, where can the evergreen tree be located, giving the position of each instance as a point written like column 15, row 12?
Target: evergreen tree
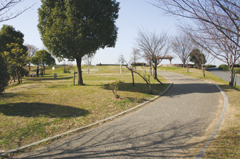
column 72, row 28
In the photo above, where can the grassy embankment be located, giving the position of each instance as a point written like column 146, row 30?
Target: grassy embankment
column 42, row 107
column 226, row 143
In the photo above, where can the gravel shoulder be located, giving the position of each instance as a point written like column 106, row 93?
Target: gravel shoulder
column 164, row 128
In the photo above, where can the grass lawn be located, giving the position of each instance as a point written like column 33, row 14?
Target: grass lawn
column 42, row 107
column 226, row 143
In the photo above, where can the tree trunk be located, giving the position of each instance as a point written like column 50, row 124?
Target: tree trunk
column 79, row 67
column 187, row 68
column 231, row 76
column 29, row 66
column 132, row 77
column 155, row 71
column 203, row 69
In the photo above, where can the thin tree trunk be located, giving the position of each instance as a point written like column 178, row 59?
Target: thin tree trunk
column 132, row 77
column 203, row 69
column 79, row 67
column 155, row 71
column 29, row 66
column 231, row 76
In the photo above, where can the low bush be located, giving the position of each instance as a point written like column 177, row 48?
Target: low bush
column 224, row 67
column 210, row 66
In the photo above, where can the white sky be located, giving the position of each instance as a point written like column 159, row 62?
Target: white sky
column 133, row 14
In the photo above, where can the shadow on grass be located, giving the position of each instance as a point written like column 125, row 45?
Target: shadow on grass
column 41, row 110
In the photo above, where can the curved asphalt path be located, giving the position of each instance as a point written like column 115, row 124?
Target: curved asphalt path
column 157, row 130
column 222, row 74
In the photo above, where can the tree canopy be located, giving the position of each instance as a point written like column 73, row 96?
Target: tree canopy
column 197, row 57
column 43, row 58
column 72, row 28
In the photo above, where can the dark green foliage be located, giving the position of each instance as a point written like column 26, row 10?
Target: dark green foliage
column 224, row 67
column 23, row 71
column 210, row 66
column 197, row 57
column 43, row 58
column 4, row 76
column 72, row 29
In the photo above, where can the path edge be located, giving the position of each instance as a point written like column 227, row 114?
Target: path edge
column 203, row 150
column 90, row 125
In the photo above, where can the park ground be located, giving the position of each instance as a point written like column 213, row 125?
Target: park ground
column 41, row 107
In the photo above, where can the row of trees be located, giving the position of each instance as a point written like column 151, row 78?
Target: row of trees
column 14, row 55
column 154, row 47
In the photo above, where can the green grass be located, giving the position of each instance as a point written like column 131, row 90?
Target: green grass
column 41, row 107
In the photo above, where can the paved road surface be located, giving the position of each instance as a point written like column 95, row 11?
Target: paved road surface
column 157, row 130
column 222, row 74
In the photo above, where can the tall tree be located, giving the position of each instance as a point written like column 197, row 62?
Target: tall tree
column 16, row 57
column 31, row 52
column 182, row 46
column 72, row 28
column 198, row 58
column 8, row 35
column 154, row 46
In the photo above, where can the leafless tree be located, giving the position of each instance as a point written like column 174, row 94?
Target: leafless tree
column 31, row 52
column 136, row 55
column 217, row 26
column 6, row 7
column 154, row 46
column 133, row 61
column 216, row 44
column 88, row 60
column 220, row 14
column 182, row 46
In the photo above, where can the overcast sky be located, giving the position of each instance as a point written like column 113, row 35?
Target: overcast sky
column 133, row 14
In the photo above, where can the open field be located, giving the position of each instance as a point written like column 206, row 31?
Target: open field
column 42, row 107
column 226, row 143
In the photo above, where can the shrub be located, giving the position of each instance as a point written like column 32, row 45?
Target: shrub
column 114, row 87
column 210, row 66
column 224, row 67
column 23, row 72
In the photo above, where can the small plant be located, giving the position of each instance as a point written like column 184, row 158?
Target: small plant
column 114, row 87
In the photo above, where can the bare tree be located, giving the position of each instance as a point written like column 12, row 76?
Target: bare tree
column 182, row 46
column 88, row 60
column 31, row 52
column 154, row 46
column 216, row 44
column 220, row 14
column 6, row 7
column 121, row 60
column 217, row 26
column 135, row 57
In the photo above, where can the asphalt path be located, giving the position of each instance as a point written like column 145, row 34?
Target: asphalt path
column 223, row 75
column 159, row 129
